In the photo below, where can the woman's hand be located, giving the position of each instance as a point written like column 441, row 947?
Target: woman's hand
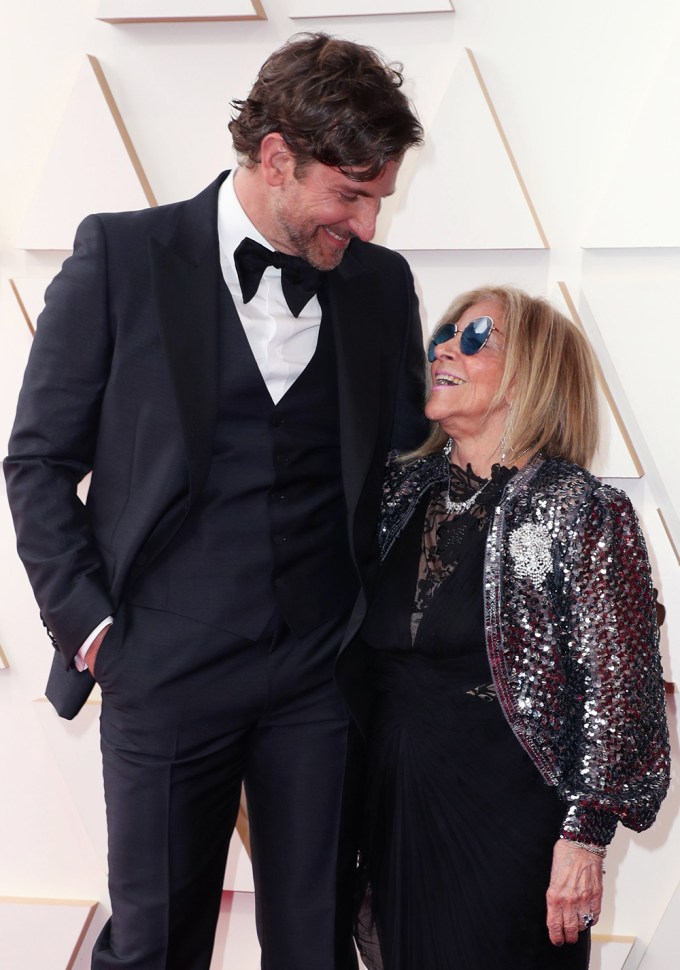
column 575, row 890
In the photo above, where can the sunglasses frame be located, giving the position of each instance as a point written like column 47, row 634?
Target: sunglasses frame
column 452, row 329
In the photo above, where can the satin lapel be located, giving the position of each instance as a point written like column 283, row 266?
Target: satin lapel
column 186, row 276
column 353, row 310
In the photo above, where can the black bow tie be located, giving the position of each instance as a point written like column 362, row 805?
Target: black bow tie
column 299, row 280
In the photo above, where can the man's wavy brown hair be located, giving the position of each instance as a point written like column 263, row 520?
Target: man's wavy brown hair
column 332, row 101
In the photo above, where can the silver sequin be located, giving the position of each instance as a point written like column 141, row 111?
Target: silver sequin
column 530, row 548
column 573, row 652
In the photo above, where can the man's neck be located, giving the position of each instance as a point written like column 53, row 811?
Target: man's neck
column 252, row 195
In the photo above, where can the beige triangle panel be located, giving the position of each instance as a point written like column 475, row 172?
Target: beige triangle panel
column 662, row 949
column 611, row 464
column 178, row 11
column 42, row 934
column 640, row 206
column 634, row 314
column 92, row 167
column 463, row 189
column 122, row 130
column 4, row 662
column 75, row 748
column 506, row 144
column 673, row 545
column 357, row 8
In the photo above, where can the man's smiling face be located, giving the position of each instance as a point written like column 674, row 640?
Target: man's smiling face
column 317, row 212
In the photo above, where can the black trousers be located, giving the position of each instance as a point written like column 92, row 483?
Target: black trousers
column 188, row 713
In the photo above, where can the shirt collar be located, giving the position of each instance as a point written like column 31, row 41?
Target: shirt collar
column 233, row 225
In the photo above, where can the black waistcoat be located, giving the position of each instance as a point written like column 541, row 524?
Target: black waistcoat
column 269, row 529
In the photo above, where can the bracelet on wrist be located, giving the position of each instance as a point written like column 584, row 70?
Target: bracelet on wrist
column 598, row 850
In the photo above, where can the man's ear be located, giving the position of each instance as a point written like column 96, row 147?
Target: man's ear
column 276, row 159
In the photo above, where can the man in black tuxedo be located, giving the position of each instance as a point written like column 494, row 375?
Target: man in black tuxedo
column 235, row 406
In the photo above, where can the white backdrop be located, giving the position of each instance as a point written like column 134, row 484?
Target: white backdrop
column 551, row 163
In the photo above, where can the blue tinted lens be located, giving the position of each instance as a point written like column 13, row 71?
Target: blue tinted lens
column 475, row 335
column 448, row 331
column 472, row 339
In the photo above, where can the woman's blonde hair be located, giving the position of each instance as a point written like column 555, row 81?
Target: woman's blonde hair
column 548, row 376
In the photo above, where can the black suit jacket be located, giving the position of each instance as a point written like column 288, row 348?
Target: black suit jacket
column 122, row 381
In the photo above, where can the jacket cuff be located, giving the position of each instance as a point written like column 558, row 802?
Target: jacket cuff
column 595, row 826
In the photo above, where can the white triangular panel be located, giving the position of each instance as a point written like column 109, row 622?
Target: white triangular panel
column 236, row 944
column 238, row 875
column 42, row 934
column 76, row 751
column 662, row 952
column 357, row 8
column 615, row 457
column 641, row 204
column 89, row 169
column 465, row 191
column 641, row 332
column 610, row 952
column 150, row 11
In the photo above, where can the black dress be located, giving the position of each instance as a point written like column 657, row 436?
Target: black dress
column 460, row 825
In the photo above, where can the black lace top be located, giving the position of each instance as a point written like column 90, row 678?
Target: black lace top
column 437, row 551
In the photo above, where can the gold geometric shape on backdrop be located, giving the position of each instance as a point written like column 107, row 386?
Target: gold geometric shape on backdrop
column 471, row 188
column 30, row 323
column 506, row 144
column 122, row 130
column 613, row 408
column 93, row 167
column 178, row 11
column 4, row 662
column 45, row 933
column 30, row 297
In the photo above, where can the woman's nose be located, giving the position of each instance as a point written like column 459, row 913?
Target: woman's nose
column 447, row 349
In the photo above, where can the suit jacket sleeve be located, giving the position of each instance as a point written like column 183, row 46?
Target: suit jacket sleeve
column 410, row 424
column 52, row 445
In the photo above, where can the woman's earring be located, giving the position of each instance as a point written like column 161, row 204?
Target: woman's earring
column 505, row 445
column 448, row 446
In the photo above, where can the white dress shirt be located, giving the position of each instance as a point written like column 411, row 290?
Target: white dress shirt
column 282, row 344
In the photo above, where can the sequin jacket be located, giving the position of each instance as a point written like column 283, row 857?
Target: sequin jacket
column 571, row 636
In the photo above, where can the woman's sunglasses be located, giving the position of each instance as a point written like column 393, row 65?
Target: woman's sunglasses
column 472, row 338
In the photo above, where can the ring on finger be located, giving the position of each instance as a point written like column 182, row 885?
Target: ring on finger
column 587, row 919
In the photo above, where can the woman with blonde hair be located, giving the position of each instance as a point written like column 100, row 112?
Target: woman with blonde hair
column 519, row 706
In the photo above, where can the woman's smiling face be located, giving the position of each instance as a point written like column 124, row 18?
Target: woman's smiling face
column 463, row 386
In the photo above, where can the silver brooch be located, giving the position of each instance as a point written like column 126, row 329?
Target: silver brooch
column 530, row 551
